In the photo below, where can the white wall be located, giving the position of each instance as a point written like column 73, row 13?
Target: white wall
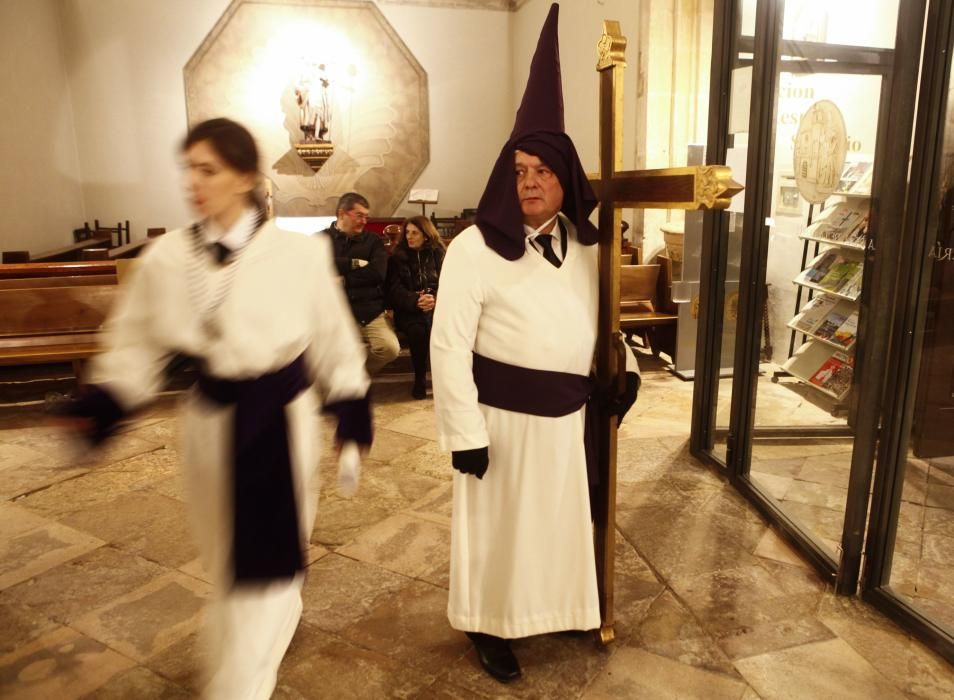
column 466, row 55
column 114, row 75
column 40, row 193
column 127, row 58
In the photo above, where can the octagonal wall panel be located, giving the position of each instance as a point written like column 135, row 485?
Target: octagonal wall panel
column 247, row 68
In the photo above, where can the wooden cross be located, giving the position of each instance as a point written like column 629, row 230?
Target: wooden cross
column 697, row 187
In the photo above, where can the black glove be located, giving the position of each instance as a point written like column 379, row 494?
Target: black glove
column 620, row 406
column 99, row 407
column 471, row 461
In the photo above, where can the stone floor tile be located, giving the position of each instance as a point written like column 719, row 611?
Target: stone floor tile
column 86, row 583
column 421, row 424
column 30, row 545
column 141, row 522
column 937, row 550
column 940, row 496
column 321, row 665
column 670, row 629
column 636, row 673
column 821, row 495
column 436, row 505
column 939, row 521
column 339, row 591
column 837, row 671
column 384, row 489
column 102, row 485
column 410, row 625
column 20, row 623
column 389, row 444
column 908, row 664
column 406, row 545
column 180, row 662
column 142, row 684
column 143, row 622
column 62, row 664
column 832, row 470
column 774, row 485
column 426, row 460
column 773, row 547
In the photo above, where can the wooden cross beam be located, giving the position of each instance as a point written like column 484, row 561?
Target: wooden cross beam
column 698, row 187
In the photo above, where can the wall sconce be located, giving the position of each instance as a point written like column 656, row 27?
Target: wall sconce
column 314, row 115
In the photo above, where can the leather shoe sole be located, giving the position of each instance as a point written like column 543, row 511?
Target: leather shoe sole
column 496, row 657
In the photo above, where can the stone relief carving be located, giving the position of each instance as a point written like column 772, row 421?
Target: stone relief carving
column 248, row 69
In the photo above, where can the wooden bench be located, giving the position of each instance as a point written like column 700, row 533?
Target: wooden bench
column 52, row 324
column 70, row 252
column 56, row 269
column 646, row 305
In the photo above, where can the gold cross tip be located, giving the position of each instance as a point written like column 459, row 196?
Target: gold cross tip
column 611, row 49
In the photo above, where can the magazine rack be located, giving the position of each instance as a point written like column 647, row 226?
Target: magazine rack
column 831, row 281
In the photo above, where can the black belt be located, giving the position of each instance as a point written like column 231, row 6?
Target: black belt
column 540, row 392
column 266, row 543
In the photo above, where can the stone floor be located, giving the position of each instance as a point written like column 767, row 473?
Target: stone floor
column 101, row 593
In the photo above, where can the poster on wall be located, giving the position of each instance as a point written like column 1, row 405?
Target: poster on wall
column 821, row 144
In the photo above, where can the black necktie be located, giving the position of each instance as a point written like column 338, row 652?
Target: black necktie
column 220, row 252
column 546, row 242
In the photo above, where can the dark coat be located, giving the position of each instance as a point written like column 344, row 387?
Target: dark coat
column 410, row 272
column 364, row 286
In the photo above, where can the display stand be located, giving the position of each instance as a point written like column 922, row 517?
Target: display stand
column 828, row 322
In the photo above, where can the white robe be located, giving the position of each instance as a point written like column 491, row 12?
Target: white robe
column 522, row 558
column 284, row 301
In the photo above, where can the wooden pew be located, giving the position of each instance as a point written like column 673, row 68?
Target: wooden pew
column 52, row 324
column 57, row 269
column 646, row 305
column 70, row 252
column 66, row 281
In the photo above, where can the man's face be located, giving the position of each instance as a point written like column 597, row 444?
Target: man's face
column 538, row 188
column 352, row 220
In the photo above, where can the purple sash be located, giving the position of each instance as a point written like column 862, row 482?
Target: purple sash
column 266, row 543
column 539, row 392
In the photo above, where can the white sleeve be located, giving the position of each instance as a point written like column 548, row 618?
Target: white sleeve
column 631, row 364
column 336, row 355
column 460, row 423
column 131, row 365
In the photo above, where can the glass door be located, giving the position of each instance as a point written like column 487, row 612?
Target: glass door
column 827, row 118
column 909, row 569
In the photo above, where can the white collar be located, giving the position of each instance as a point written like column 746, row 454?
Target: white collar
column 532, row 233
column 238, row 235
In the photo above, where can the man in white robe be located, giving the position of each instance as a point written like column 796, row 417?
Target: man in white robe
column 512, row 349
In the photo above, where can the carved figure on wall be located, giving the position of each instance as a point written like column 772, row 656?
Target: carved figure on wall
column 314, row 105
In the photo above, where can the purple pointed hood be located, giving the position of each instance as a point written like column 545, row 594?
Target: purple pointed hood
column 538, row 130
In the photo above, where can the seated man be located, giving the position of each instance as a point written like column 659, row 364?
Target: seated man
column 362, row 263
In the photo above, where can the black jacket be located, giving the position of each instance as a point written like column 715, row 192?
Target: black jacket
column 410, row 272
column 364, row 286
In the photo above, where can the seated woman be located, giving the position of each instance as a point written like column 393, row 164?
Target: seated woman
column 413, row 272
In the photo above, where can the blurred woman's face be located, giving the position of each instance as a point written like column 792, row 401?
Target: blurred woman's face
column 415, row 237
column 215, row 189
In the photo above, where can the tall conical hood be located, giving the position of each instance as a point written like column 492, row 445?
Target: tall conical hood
column 542, row 105
column 538, row 130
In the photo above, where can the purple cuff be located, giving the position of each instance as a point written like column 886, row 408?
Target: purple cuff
column 354, row 420
column 101, row 407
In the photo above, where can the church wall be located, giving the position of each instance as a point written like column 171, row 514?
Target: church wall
column 40, row 192
column 126, row 70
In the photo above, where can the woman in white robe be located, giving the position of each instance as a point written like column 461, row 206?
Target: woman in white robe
column 271, row 308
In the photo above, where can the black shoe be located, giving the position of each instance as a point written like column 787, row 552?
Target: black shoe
column 496, row 656
column 419, row 391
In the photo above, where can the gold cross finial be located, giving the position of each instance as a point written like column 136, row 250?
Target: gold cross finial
column 612, row 47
